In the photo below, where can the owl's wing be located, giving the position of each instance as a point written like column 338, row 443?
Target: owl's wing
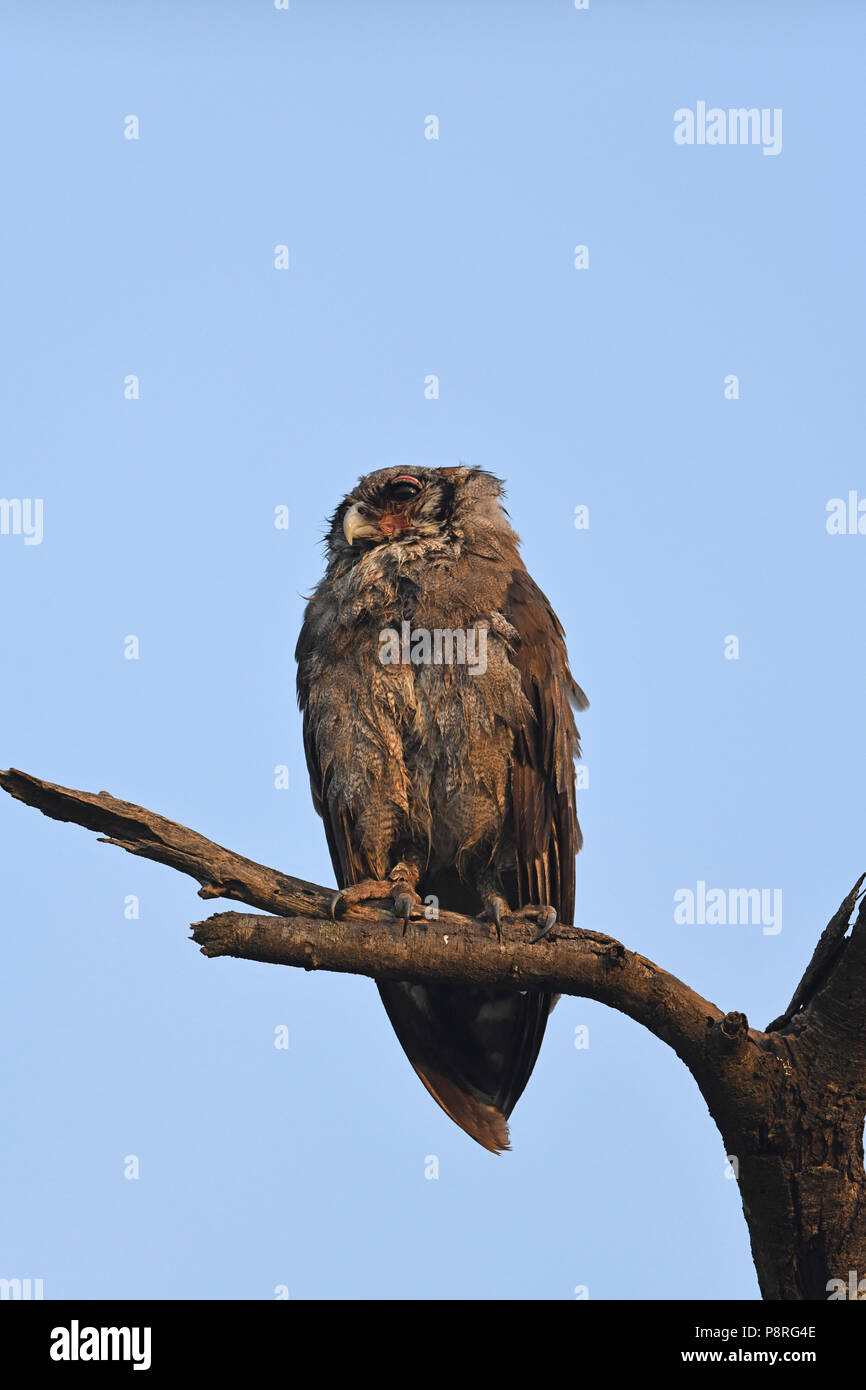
column 347, row 865
column 475, row 1049
column 338, row 829
column 546, row 831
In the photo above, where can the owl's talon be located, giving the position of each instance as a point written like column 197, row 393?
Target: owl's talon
column 495, row 908
column 545, row 918
column 335, row 899
column 404, row 899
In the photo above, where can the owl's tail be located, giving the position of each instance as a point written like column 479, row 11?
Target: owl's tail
column 474, row 1049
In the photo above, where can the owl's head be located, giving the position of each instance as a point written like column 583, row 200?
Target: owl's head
column 402, row 511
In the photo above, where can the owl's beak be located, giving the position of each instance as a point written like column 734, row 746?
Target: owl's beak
column 356, row 526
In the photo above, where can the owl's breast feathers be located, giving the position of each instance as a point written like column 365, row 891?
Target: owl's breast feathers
column 414, row 707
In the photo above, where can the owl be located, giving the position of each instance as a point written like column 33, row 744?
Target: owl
column 440, row 740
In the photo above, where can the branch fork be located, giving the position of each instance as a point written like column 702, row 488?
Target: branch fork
column 790, row 1101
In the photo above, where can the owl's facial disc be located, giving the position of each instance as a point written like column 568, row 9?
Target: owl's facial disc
column 388, row 515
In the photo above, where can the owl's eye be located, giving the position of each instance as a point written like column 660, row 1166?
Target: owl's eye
column 403, row 489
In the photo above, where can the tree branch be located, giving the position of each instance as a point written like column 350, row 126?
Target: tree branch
column 366, row 940
column 789, row 1102
column 460, row 950
column 221, row 872
column 825, row 958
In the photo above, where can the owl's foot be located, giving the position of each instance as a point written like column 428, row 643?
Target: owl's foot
column 403, row 879
column 399, row 887
column 543, row 917
column 495, row 908
column 363, row 892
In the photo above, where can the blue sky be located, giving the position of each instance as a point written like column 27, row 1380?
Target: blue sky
column 258, row 387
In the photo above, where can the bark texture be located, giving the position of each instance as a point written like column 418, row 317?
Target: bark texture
column 789, row 1101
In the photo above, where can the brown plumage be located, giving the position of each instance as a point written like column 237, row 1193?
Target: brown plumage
column 453, row 778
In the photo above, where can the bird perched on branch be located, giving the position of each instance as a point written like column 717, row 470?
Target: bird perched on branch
column 440, row 741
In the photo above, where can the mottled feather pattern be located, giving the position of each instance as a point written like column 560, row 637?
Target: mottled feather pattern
column 467, row 774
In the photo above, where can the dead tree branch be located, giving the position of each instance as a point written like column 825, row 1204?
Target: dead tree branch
column 789, row 1102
